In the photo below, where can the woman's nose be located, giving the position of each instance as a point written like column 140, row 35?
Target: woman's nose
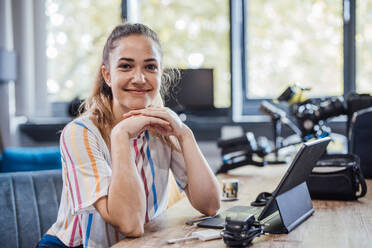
column 138, row 77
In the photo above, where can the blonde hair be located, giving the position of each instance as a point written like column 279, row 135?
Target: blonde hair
column 98, row 106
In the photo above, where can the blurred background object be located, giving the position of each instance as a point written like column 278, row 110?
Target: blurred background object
column 226, row 50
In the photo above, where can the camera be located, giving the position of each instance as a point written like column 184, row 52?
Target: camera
column 239, row 151
column 311, row 114
column 237, row 233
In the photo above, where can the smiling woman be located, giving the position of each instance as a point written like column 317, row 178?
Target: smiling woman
column 117, row 155
column 135, row 75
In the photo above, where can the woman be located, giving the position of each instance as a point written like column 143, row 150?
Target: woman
column 116, row 156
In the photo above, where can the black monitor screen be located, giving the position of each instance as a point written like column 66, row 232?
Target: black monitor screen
column 193, row 92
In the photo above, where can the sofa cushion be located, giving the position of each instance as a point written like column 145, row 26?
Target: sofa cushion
column 29, row 204
column 30, row 158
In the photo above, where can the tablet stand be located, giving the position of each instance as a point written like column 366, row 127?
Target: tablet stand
column 294, row 207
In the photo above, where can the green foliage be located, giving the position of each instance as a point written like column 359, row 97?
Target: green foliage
column 295, row 41
column 77, row 31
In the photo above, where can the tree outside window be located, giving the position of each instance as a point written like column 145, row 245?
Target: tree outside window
column 77, row 31
column 294, row 42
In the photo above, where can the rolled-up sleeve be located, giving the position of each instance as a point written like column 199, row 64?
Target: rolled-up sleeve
column 88, row 174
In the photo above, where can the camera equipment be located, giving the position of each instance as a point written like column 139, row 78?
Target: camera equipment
column 262, row 199
column 311, row 114
column 237, row 233
column 337, row 177
column 305, row 117
column 240, row 151
column 293, row 94
column 278, row 117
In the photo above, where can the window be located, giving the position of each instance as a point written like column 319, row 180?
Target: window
column 364, row 46
column 279, row 43
column 194, row 34
column 77, row 31
column 293, row 42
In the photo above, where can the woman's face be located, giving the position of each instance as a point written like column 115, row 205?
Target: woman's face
column 134, row 74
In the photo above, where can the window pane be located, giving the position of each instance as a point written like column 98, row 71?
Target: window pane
column 364, row 46
column 294, row 42
column 77, row 31
column 194, row 34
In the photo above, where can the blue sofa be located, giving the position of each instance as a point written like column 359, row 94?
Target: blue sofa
column 30, row 191
column 30, row 159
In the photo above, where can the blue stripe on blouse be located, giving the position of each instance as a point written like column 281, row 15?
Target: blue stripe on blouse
column 180, row 186
column 88, row 230
column 152, row 170
column 82, row 124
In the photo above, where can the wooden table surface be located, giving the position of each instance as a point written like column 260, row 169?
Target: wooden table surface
column 334, row 223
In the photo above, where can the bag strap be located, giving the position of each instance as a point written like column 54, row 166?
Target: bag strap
column 362, row 182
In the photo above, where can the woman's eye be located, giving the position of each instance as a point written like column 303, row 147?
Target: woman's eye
column 125, row 66
column 151, row 67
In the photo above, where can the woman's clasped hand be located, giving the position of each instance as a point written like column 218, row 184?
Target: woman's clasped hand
column 159, row 120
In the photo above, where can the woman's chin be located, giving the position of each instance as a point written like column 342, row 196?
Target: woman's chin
column 134, row 105
column 137, row 106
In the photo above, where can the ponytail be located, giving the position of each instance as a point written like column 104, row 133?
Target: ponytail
column 99, row 106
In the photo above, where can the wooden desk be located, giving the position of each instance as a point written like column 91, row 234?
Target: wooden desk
column 334, row 223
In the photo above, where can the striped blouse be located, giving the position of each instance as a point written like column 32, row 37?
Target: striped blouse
column 86, row 166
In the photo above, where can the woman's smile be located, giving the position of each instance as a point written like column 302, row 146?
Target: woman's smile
column 138, row 91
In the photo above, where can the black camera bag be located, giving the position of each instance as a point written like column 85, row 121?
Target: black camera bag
column 337, row 177
column 360, row 135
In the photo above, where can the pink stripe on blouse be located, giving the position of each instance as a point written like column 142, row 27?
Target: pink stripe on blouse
column 73, row 232
column 73, row 170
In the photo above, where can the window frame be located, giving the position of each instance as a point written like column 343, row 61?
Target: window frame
column 245, row 109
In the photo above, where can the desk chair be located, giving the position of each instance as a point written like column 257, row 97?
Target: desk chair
column 360, row 136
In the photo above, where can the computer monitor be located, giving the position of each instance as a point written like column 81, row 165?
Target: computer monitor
column 193, row 92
